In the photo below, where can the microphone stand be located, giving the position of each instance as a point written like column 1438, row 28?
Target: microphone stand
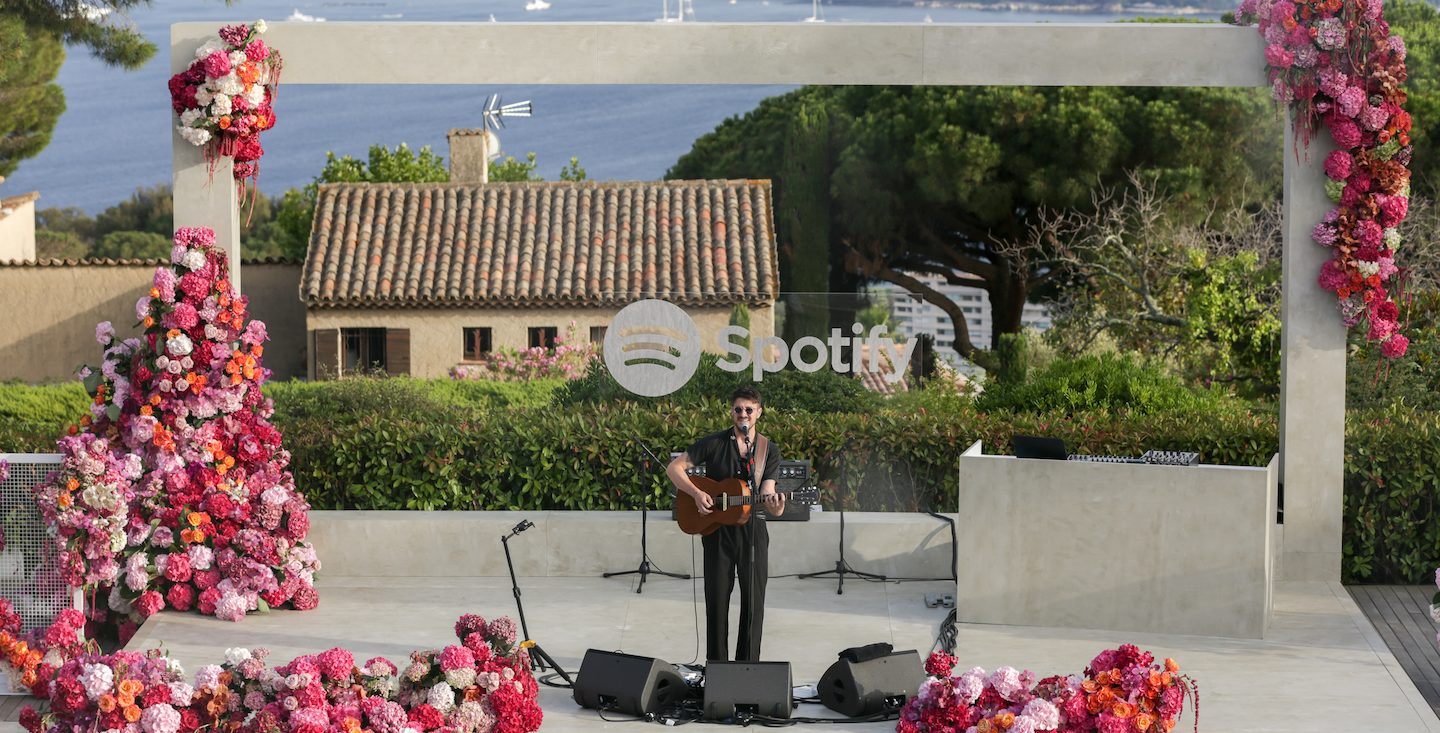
column 538, row 658
column 646, row 566
column 841, row 566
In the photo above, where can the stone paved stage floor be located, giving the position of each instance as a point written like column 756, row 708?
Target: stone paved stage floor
column 1323, row 667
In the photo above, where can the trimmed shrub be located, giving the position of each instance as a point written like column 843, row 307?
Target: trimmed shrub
column 1092, row 383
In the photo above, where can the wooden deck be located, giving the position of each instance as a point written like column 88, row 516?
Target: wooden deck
column 10, row 706
column 1401, row 613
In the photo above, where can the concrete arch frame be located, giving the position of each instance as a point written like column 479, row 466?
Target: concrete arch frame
column 1312, row 411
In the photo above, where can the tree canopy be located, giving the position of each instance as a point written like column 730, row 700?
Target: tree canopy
column 30, row 100
column 98, row 25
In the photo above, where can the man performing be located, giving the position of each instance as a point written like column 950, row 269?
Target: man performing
column 730, row 453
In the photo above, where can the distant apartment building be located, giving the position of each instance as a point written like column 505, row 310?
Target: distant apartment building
column 913, row 316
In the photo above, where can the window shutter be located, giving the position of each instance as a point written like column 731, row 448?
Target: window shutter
column 326, row 348
column 397, row 351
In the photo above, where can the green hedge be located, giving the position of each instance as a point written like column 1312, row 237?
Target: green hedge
column 405, row 444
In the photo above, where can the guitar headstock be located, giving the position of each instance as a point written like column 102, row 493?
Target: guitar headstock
column 807, row 495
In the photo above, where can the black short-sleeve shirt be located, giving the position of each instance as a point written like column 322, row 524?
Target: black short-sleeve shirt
column 719, row 453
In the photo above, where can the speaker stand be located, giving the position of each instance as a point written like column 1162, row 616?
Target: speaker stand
column 843, row 568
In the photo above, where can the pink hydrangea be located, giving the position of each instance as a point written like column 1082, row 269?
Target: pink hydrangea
column 1393, row 209
column 217, row 64
column 502, row 628
column 1368, row 233
column 1350, row 101
column 161, row 718
column 1278, row 57
column 1337, row 165
column 456, row 657
column 149, row 603
column 231, row 607
column 1395, row 346
column 336, row 663
column 1344, row 131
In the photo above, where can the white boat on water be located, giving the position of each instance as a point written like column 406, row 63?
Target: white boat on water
column 303, row 18
column 537, row 5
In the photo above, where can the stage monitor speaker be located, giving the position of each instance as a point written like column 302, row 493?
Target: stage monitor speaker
column 758, row 688
column 881, row 684
column 626, row 683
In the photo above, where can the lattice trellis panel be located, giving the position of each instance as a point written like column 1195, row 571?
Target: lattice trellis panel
column 27, row 562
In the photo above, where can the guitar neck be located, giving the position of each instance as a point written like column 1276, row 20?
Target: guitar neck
column 758, row 499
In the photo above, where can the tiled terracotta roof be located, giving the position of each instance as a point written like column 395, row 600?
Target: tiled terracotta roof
column 128, row 262
column 541, row 244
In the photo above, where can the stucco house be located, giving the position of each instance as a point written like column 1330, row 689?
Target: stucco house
column 417, row 278
column 17, row 227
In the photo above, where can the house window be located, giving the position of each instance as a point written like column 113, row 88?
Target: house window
column 477, row 343
column 364, row 350
column 543, row 337
column 597, row 334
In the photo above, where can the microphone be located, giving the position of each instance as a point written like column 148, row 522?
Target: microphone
column 745, row 428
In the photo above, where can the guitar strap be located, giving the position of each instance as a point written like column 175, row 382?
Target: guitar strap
column 762, row 444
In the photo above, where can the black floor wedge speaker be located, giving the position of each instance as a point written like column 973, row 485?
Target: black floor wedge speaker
column 875, row 685
column 626, row 683
column 757, row 688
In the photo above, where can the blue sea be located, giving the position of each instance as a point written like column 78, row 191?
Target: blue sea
column 116, row 133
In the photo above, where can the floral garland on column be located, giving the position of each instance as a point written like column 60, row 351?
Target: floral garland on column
column 1336, row 62
column 224, row 100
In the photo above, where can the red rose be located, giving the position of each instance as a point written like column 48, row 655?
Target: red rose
column 156, row 694
column 305, row 598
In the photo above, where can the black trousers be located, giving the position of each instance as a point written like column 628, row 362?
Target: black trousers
column 728, row 555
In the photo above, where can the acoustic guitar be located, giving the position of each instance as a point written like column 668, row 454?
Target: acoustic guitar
column 733, row 500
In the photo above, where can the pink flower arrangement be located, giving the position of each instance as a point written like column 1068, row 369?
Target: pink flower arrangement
column 173, row 491
column 1350, row 80
column 569, row 358
column 317, row 693
column 1122, row 691
column 224, row 99
column 30, row 659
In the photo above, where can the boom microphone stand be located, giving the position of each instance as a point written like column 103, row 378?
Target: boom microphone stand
column 842, row 567
column 646, row 566
column 538, row 658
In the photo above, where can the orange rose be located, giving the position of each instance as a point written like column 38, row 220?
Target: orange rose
column 1122, row 710
column 473, row 693
column 132, row 687
column 173, row 333
column 72, row 484
column 107, row 703
column 197, row 518
column 29, row 678
column 132, row 714
column 149, row 321
column 65, row 501
column 1143, row 721
column 125, row 700
column 1005, row 719
column 1166, row 724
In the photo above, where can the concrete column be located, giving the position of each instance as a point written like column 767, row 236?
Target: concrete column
column 203, row 196
column 206, row 198
column 1312, row 377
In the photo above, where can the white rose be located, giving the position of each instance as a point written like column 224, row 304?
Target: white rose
column 174, row 368
column 194, row 260
column 260, row 26
column 180, row 345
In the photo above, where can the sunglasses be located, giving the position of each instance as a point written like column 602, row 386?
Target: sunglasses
column 744, row 410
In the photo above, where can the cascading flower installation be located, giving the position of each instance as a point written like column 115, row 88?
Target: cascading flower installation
column 1336, row 62
column 224, row 100
column 174, row 491
column 1122, row 691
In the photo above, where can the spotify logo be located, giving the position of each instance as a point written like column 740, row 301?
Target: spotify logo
column 652, row 348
